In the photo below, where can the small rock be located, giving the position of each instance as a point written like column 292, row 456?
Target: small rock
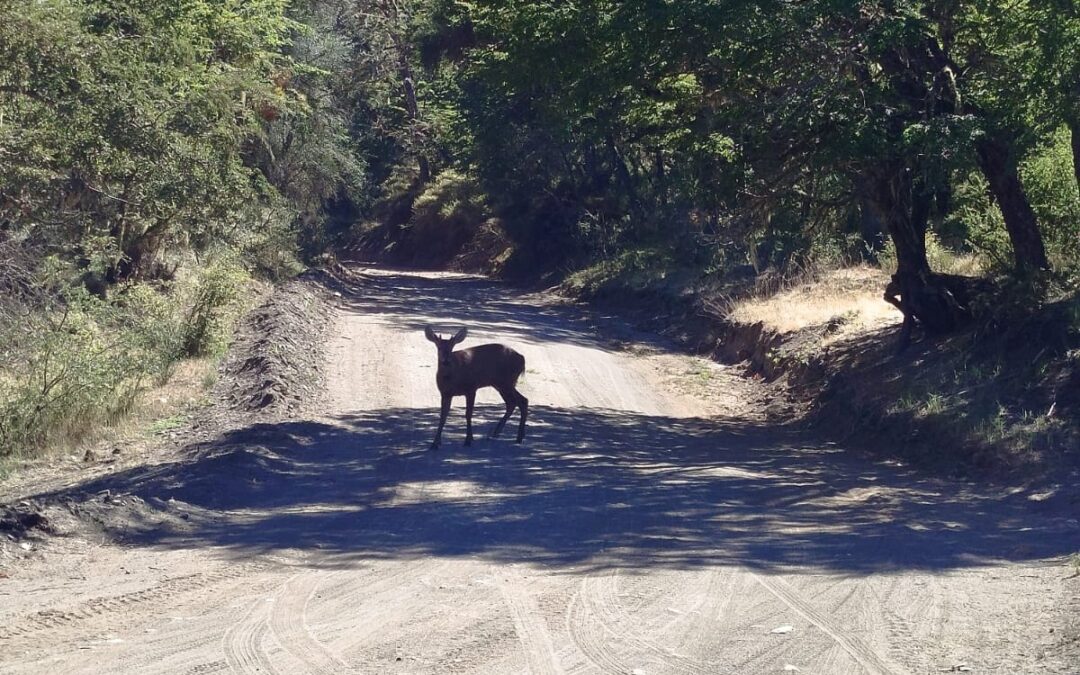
column 780, row 630
column 788, row 668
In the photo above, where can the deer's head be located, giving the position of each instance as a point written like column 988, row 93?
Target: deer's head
column 445, row 345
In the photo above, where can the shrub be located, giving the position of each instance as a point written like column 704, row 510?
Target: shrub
column 271, row 251
column 1051, row 186
column 214, row 307
column 72, row 361
column 73, row 368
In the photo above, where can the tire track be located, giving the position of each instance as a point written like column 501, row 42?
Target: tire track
column 863, row 655
column 288, row 623
column 904, row 635
column 205, row 668
column 719, row 590
column 531, row 630
column 242, row 642
column 48, row 619
column 183, row 644
column 357, row 598
column 595, row 619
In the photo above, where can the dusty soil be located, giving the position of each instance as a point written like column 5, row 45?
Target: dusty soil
column 653, row 522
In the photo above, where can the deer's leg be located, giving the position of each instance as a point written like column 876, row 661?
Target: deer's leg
column 470, row 401
column 442, row 421
column 511, row 402
column 523, row 403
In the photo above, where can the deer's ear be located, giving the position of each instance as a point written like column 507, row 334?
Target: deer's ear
column 461, row 335
column 430, row 334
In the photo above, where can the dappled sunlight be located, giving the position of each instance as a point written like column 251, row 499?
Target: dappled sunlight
column 590, row 487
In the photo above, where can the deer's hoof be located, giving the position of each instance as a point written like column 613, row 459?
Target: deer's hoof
column 433, row 446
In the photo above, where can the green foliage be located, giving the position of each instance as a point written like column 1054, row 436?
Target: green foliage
column 599, row 126
column 631, row 271
column 976, row 222
column 130, row 124
column 1050, row 180
column 70, row 369
column 79, row 362
column 214, row 307
column 452, row 200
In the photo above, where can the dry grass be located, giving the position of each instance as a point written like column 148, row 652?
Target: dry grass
column 852, row 294
column 156, row 411
column 187, row 388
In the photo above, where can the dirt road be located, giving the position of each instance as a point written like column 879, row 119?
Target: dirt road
column 651, row 523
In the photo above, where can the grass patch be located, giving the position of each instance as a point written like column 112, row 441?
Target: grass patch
column 850, row 297
column 157, row 410
column 648, row 270
column 78, row 363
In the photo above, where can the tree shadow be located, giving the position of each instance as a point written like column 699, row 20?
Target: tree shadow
column 589, row 488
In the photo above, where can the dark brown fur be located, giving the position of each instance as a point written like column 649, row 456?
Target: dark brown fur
column 462, row 373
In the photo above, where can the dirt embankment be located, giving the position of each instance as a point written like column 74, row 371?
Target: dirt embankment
column 276, row 363
column 274, row 369
column 1002, row 399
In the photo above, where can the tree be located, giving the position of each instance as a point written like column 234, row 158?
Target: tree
column 123, row 124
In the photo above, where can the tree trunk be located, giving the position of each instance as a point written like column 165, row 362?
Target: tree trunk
column 138, row 252
column 661, row 177
column 413, row 108
column 903, row 205
column 395, row 17
column 998, row 164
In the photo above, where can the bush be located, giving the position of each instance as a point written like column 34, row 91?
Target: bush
column 428, row 226
column 1051, row 186
column 271, row 251
column 448, row 212
column 632, row 270
column 73, row 368
column 75, row 361
column 154, row 321
column 214, row 307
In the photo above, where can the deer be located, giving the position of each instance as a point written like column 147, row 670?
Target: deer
column 463, row 372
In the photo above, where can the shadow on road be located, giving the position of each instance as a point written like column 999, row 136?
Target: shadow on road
column 590, row 488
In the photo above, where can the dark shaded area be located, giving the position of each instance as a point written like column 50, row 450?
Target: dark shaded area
column 16, row 520
column 1000, row 403
column 590, row 488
